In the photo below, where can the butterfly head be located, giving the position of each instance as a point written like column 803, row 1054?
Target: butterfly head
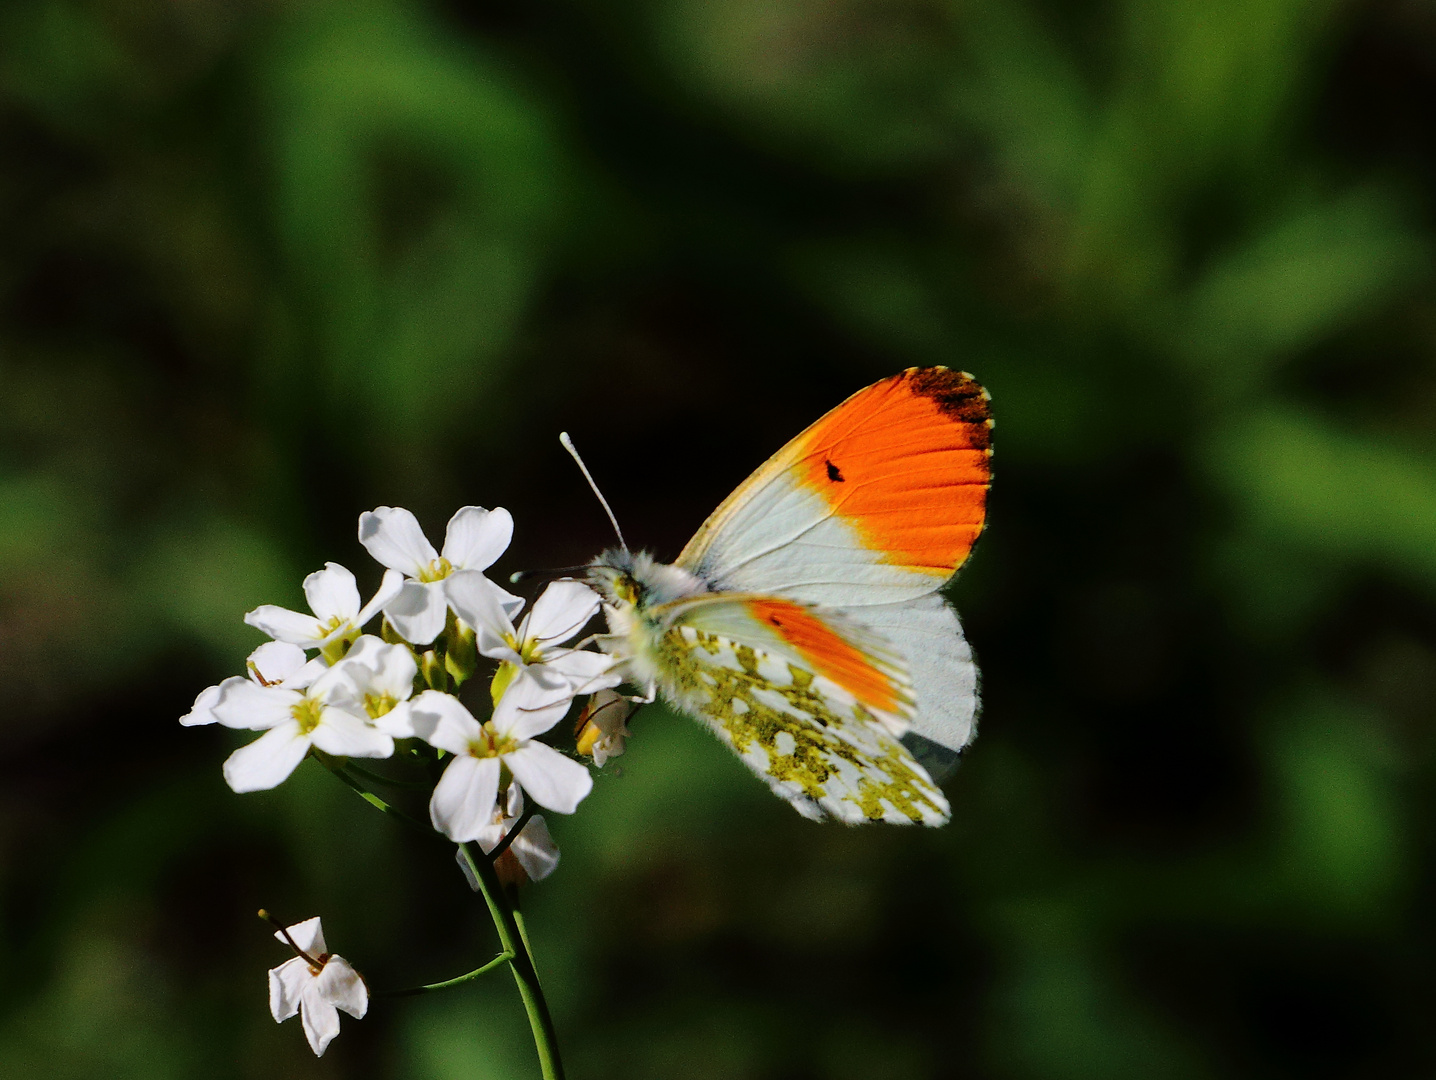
column 627, row 580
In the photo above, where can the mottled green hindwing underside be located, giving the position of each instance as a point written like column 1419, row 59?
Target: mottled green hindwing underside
column 813, row 743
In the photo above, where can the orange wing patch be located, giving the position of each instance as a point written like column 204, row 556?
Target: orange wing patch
column 829, row 654
column 906, row 461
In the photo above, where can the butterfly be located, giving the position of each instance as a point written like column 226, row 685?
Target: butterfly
column 804, row 622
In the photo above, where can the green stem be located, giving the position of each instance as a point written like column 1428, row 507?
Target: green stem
column 387, row 781
column 379, row 804
column 428, row 988
column 523, row 931
column 518, row 827
column 513, row 939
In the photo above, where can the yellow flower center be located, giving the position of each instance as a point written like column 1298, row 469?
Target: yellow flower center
column 492, row 744
column 528, row 649
column 308, row 711
column 376, row 705
column 436, row 570
column 334, row 650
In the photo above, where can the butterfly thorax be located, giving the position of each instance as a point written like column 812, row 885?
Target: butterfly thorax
column 634, row 586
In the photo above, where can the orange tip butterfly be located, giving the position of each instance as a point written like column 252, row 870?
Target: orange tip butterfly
column 804, row 624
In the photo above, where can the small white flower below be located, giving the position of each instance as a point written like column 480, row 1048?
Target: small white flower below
column 316, row 986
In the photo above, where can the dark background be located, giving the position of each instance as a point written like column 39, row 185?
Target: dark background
column 265, row 265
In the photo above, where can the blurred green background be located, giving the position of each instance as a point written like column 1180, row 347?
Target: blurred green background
column 265, row 264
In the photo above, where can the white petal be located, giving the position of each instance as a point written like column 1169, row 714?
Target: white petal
column 463, row 801
column 535, row 850
column 442, row 721
column 398, row 722
column 380, row 668
column 338, row 683
column 341, row 986
column 418, row 611
column 514, row 801
column 529, row 707
column 275, row 661
column 551, row 780
column 201, row 712
column 332, row 592
column 246, row 705
column 366, row 649
column 479, row 602
column 588, row 672
column 285, row 983
column 562, row 611
column 306, row 675
column 392, row 535
column 285, row 625
column 395, row 672
column 308, row 935
column 321, row 1022
column 512, row 604
column 489, row 836
column 268, row 761
column 388, row 589
column 343, row 734
column 476, row 537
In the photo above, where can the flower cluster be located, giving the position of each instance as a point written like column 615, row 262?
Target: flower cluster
column 330, row 687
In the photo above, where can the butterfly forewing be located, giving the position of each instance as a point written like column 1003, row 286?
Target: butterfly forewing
column 878, row 502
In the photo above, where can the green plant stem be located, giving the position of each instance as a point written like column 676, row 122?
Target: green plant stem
column 523, row 931
column 518, row 827
column 429, row 988
column 379, row 804
column 387, row 781
column 513, row 939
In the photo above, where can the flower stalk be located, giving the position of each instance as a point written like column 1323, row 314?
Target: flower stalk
column 521, row 963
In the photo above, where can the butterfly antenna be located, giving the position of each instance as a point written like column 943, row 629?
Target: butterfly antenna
column 573, row 453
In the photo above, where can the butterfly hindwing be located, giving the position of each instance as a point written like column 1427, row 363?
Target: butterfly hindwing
column 806, row 717
column 926, row 634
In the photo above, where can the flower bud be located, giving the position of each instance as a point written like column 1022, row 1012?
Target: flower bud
column 432, row 668
column 461, row 658
column 602, row 726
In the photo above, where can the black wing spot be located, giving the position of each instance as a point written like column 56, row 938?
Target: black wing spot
column 833, row 474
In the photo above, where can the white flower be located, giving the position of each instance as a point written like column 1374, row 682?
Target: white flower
column 475, row 538
column 323, row 714
column 378, row 680
column 533, row 652
column 464, row 799
column 603, row 726
column 275, row 663
column 338, row 619
column 317, row 993
column 533, row 849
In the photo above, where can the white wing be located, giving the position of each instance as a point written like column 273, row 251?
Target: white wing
column 927, row 634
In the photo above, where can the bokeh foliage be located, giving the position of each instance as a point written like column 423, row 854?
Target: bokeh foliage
column 267, row 263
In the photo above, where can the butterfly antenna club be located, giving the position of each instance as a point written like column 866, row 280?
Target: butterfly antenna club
column 573, row 453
